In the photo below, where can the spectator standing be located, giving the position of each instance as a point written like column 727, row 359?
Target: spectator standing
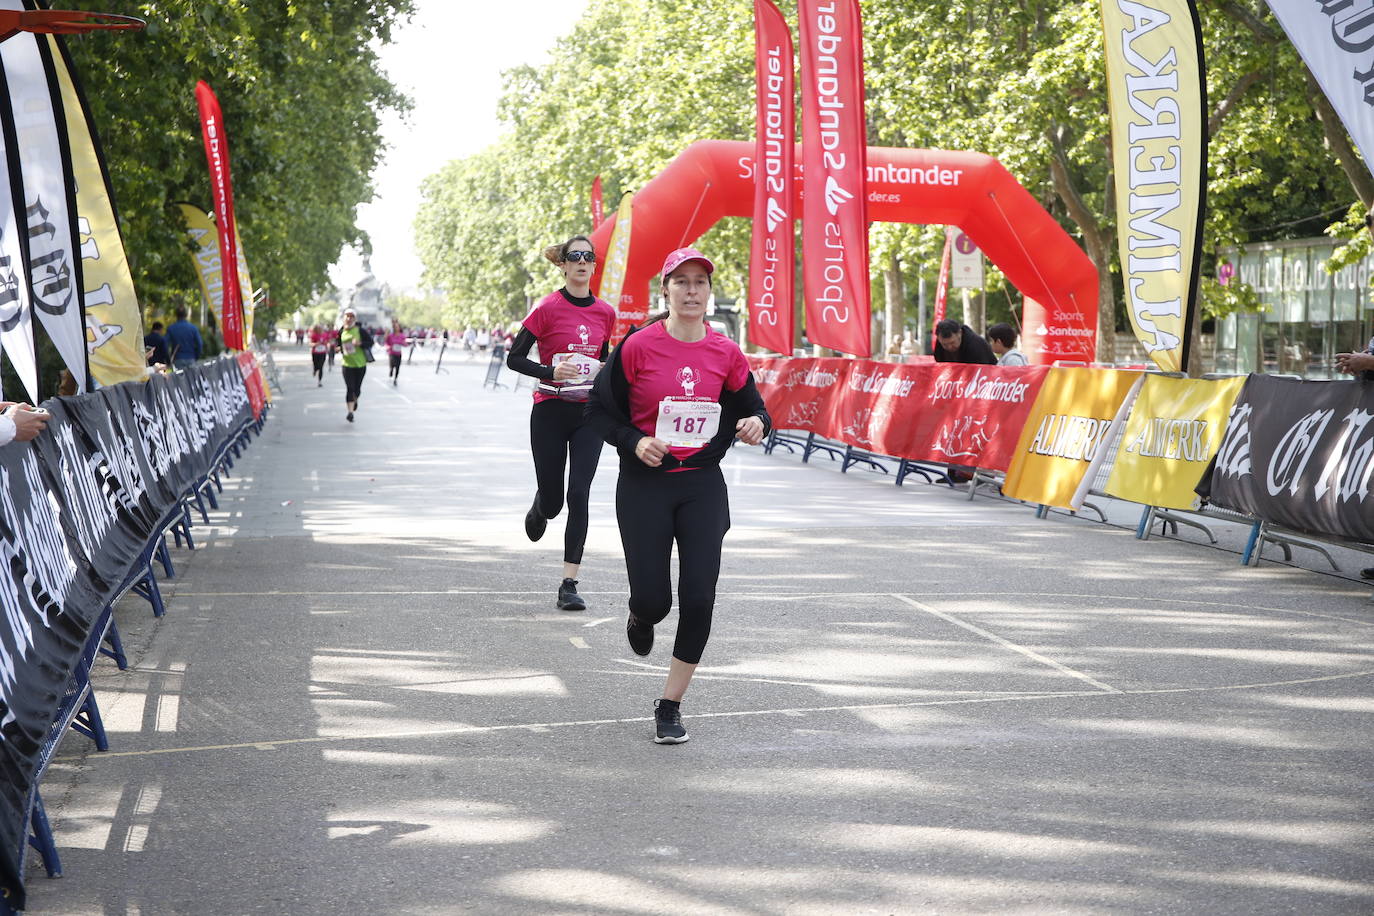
column 183, row 340
column 1002, row 339
column 156, row 342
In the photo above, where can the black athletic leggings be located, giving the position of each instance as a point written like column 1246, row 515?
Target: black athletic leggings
column 395, row 371
column 318, row 360
column 654, row 510
column 559, row 440
column 353, row 382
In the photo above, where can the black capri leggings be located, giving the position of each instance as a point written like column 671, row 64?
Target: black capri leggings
column 395, row 370
column 653, row 510
column 353, row 382
column 317, row 359
column 559, row 440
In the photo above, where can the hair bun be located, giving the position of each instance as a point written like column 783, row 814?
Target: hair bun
column 552, row 253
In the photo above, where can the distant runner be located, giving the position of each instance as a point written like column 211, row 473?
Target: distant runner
column 395, row 346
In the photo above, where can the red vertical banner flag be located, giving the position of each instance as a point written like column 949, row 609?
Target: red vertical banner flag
column 222, row 193
column 598, row 205
column 772, row 250
column 941, row 289
column 834, row 176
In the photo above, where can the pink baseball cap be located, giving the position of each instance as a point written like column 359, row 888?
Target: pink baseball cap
column 682, row 256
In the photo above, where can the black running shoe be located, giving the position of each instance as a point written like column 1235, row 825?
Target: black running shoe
column 1367, row 572
column 641, row 635
column 534, row 522
column 568, row 598
column 349, row 418
column 668, row 723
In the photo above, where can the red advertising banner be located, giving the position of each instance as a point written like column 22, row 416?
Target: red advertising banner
column 941, row 291
column 772, row 250
column 876, row 405
column 943, row 412
column 834, row 179
column 598, row 205
column 252, row 382
column 222, row 192
column 1058, row 332
column 969, row 414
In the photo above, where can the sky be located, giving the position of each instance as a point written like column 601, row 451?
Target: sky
column 449, row 60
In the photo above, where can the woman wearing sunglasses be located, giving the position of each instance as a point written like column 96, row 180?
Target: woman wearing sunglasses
column 573, row 330
column 673, row 398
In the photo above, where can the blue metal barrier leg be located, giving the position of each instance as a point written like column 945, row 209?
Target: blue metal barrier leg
column 41, row 838
column 1250, row 544
column 1147, row 515
column 147, row 588
column 208, row 489
column 116, row 649
column 200, row 504
column 89, row 723
column 164, row 556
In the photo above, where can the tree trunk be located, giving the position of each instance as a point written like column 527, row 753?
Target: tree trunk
column 1097, row 241
column 1339, row 141
column 896, row 299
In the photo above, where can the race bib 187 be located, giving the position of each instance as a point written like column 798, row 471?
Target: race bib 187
column 686, row 422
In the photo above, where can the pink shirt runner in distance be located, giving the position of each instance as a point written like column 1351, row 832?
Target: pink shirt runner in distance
column 561, row 327
column 658, row 365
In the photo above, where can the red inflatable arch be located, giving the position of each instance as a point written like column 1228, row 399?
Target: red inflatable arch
column 712, row 179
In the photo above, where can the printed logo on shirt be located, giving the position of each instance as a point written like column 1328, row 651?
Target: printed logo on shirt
column 583, row 333
column 688, row 377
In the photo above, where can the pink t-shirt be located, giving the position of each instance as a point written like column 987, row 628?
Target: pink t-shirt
column 658, row 366
column 395, row 342
column 565, row 330
column 319, row 341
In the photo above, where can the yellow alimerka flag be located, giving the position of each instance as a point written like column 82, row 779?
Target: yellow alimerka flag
column 114, row 321
column 205, row 236
column 1174, row 430
column 1066, row 429
column 617, row 256
column 1158, row 100
column 245, row 289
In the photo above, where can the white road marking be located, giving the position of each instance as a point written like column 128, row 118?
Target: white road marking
column 579, row 642
column 452, row 731
column 598, row 622
column 1035, row 656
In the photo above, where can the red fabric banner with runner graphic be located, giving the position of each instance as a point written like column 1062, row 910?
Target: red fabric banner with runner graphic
column 834, row 180
column 772, row 251
column 944, row 412
column 253, row 383
column 970, row 414
column 222, row 193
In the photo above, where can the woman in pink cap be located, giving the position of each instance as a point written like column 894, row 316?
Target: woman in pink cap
column 573, row 330
column 672, row 399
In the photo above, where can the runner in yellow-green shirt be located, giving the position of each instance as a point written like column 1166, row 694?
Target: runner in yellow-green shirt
column 353, row 343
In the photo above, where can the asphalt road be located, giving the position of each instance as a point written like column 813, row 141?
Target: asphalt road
column 363, row 700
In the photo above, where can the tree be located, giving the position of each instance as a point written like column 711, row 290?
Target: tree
column 302, row 94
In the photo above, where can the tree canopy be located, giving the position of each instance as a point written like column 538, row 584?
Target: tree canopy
column 634, row 82
column 302, row 94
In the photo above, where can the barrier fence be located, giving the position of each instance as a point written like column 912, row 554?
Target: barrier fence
column 1289, row 453
column 84, row 509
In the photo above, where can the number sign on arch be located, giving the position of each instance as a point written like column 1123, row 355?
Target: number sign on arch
column 713, row 179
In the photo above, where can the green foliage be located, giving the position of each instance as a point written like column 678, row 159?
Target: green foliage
column 419, row 311
column 634, row 82
column 302, row 93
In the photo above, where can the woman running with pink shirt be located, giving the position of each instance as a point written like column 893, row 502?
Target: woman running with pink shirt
column 395, row 346
column 573, row 330
column 672, row 399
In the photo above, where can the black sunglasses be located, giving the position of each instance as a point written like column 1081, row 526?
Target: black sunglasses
column 588, row 256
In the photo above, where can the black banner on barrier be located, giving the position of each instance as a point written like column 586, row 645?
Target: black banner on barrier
column 1299, row 454
column 79, row 506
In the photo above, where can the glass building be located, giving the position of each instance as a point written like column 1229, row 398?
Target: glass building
column 1310, row 315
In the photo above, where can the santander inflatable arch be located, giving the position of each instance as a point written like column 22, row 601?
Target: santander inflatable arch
column 712, row 179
